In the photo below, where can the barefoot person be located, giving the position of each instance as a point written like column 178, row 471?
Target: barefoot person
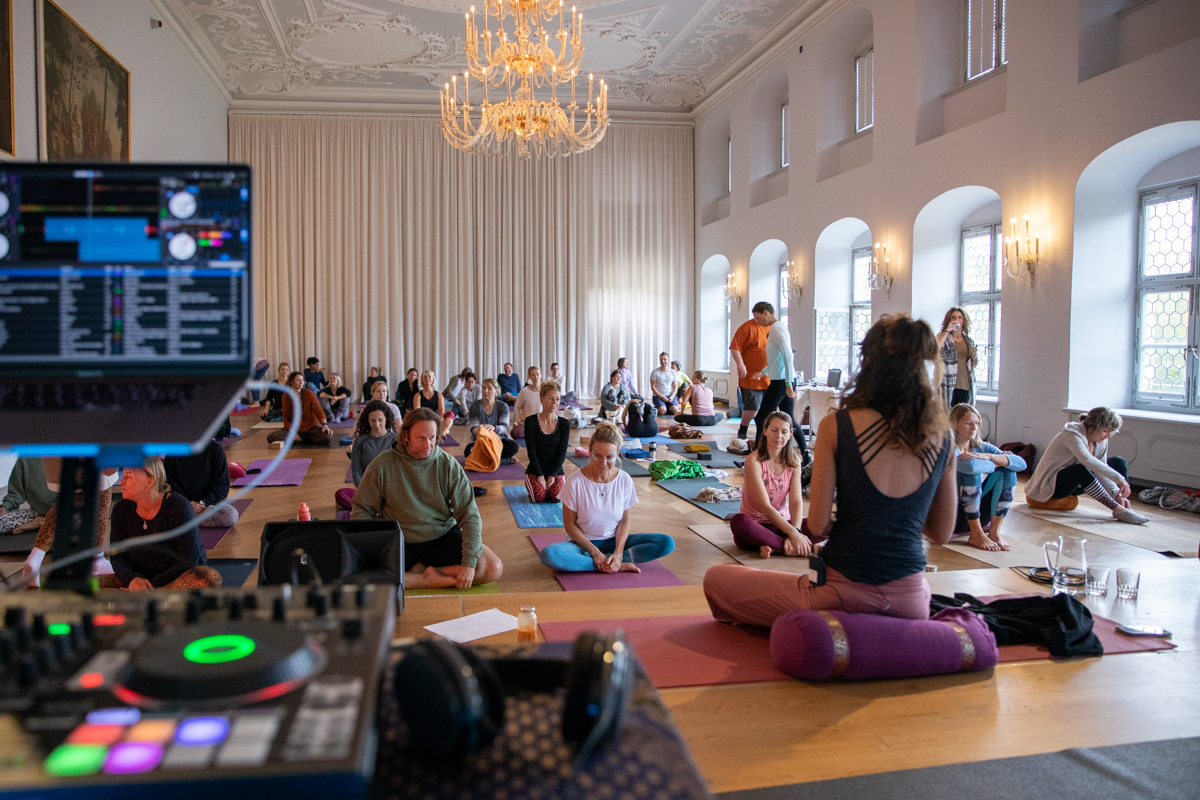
column 422, row 487
column 772, row 497
column 983, row 498
column 596, row 503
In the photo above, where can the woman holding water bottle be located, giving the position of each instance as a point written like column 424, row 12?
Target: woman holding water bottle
column 960, row 356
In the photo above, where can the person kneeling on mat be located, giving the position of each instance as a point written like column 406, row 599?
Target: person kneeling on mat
column 772, row 497
column 596, row 502
column 422, row 487
column 1077, row 462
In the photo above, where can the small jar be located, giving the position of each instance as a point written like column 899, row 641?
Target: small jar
column 527, row 624
column 302, row 513
column 653, row 447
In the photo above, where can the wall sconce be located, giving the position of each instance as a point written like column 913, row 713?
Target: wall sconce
column 794, row 286
column 880, row 278
column 1018, row 263
column 732, row 297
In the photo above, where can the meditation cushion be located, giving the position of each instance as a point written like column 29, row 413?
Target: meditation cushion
column 485, row 456
column 346, row 441
column 583, row 452
column 344, row 499
column 1068, row 503
column 696, row 448
column 236, row 471
column 817, row 645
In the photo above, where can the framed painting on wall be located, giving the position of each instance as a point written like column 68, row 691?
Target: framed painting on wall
column 7, row 100
column 84, row 93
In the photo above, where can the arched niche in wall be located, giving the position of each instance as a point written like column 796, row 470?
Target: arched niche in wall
column 937, row 247
column 714, row 188
column 839, row 148
column 713, row 320
column 833, row 269
column 1105, row 259
column 767, row 136
column 763, row 283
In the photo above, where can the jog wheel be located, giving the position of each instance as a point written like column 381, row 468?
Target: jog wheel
column 219, row 663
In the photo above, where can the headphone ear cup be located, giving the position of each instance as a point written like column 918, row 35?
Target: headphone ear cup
column 491, row 687
column 430, row 700
column 581, row 708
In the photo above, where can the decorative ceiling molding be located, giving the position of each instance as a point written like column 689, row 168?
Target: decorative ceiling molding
column 668, row 56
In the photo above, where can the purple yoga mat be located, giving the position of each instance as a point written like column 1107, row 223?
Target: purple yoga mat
column 213, row 536
column 449, row 441
column 349, row 474
column 348, row 422
column 290, row 472
column 506, row 472
column 653, row 573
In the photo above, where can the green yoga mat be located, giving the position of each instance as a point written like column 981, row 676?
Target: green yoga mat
column 483, row 588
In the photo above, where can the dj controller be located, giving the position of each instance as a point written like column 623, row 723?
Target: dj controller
column 247, row 693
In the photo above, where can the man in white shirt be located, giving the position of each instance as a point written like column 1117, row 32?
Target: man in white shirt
column 556, row 375
column 662, row 383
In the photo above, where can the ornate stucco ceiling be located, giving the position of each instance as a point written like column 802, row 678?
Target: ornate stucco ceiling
column 658, row 55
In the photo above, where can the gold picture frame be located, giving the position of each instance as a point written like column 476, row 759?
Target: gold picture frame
column 8, row 110
column 83, row 93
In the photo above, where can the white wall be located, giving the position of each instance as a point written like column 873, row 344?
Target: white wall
column 177, row 113
column 1031, row 155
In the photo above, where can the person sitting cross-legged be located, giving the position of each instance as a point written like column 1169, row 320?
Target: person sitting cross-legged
column 374, row 433
column 546, row 437
column 335, row 399
column 664, row 382
column 772, row 497
column 489, row 413
column 148, row 506
column 614, row 396
column 596, row 504
column 426, row 490
column 313, row 429
column 203, row 480
column 704, row 413
column 510, row 384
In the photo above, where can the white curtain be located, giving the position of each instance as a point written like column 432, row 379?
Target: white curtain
column 378, row 244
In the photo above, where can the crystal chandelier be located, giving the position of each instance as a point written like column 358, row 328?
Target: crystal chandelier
column 521, row 60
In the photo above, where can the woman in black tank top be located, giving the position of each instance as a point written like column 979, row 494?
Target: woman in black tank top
column 887, row 453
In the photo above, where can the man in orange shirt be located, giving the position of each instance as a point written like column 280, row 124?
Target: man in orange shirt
column 749, row 351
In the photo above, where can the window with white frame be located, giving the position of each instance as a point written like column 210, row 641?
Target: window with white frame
column 832, row 341
column 729, row 168
column 783, row 136
column 986, row 32
column 1167, row 289
column 864, row 90
column 980, row 277
column 860, row 303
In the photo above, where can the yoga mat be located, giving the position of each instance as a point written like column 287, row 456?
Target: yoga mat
column 529, row 514
column 721, row 537
column 645, row 440
column 628, row 465
column 505, row 472
column 449, row 441
column 290, row 472
column 1144, row 770
column 342, row 514
column 349, row 474
column 17, row 544
column 653, row 573
column 234, row 571
column 1154, row 535
column 686, row 650
column 268, row 425
column 1022, row 553
column 720, row 458
column 688, row 488
column 348, row 422
column 483, row 588
column 574, row 404
column 241, row 412
column 213, row 536
column 521, row 442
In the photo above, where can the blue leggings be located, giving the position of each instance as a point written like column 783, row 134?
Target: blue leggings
column 983, row 497
column 639, row 548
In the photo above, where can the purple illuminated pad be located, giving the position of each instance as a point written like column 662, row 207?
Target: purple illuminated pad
column 130, row 758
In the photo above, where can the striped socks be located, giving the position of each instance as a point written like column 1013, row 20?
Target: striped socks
column 1095, row 491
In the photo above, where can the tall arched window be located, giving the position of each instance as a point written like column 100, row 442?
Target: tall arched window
column 980, row 279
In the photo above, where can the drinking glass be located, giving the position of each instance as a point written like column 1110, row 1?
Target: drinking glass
column 1069, row 567
column 1127, row 583
column 1097, row 581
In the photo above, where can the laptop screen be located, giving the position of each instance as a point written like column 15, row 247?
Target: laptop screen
column 121, row 269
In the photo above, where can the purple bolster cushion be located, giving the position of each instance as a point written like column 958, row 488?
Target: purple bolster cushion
column 817, row 645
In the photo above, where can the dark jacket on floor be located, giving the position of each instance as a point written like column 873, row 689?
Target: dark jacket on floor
column 1060, row 622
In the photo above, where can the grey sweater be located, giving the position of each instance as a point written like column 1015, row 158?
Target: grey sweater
column 498, row 419
column 364, row 450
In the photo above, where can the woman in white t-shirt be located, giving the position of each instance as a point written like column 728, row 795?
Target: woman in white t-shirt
column 596, row 502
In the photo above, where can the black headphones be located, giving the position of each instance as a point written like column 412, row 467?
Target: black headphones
column 453, row 700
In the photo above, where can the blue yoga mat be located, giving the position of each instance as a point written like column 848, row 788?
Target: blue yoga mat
column 234, row 571
column 532, row 515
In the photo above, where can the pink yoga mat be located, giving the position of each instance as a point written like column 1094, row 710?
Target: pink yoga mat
column 1105, row 630
column 506, row 472
column 686, row 651
column 290, row 472
column 653, row 573
column 213, row 536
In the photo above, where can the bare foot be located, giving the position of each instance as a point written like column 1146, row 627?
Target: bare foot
column 1000, row 541
column 629, row 566
column 764, row 551
column 430, row 578
column 982, row 542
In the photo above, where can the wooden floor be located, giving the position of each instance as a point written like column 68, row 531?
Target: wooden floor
column 754, row 735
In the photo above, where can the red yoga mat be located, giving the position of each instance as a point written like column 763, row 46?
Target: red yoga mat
column 1105, row 630
column 211, row 537
column 653, row 573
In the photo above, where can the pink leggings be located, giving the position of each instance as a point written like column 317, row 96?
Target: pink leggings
column 756, row 596
column 546, row 494
column 749, row 534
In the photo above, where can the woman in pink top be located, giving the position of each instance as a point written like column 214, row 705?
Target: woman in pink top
column 771, row 497
column 701, row 398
